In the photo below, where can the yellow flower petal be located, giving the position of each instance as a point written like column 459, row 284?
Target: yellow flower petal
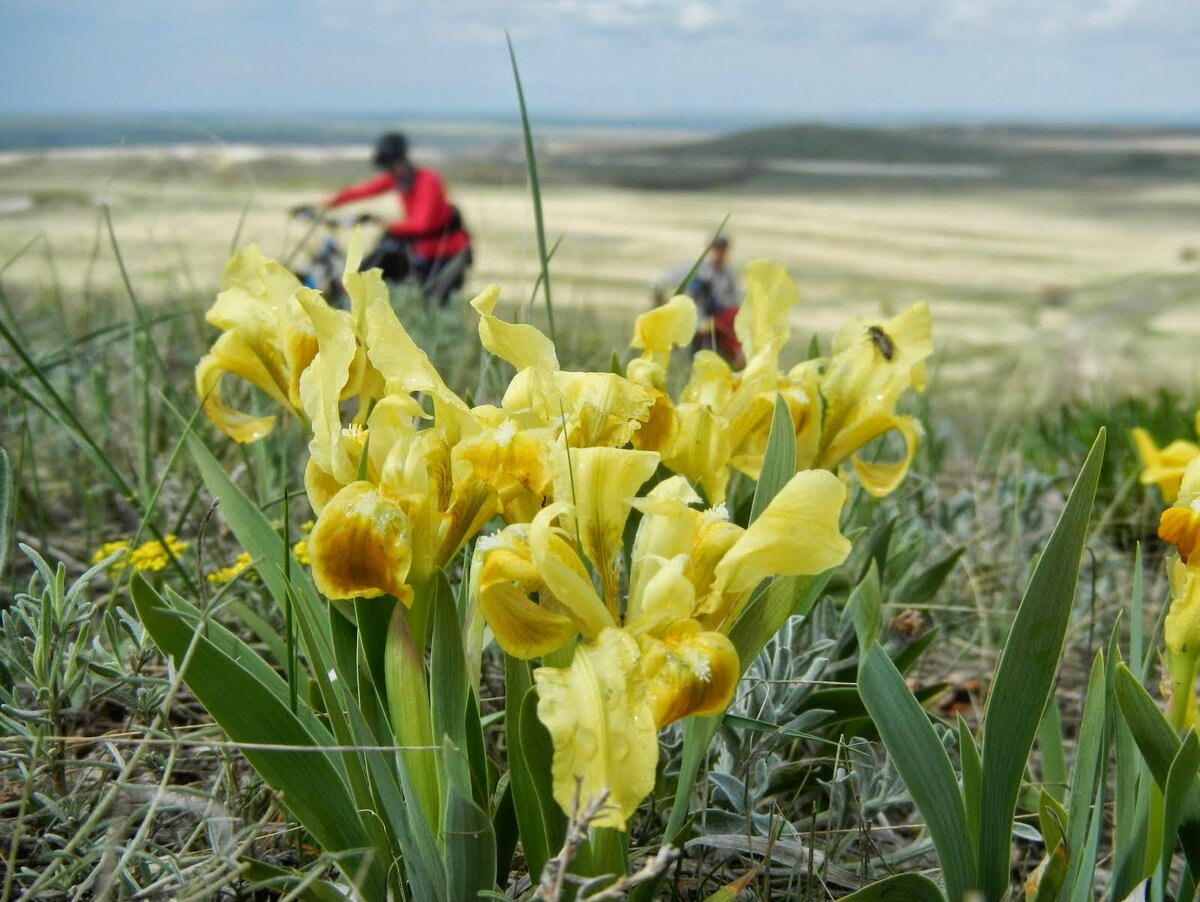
column 326, row 381
column 762, row 324
column 661, row 426
column 240, row 427
column 663, row 597
column 564, row 574
column 601, row 726
column 514, row 462
column 1180, row 526
column 688, row 672
column 520, row 344
column 503, row 576
column 1181, row 633
column 797, row 534
column 1180, row 523
column 882, row 478
column 360, row 546
column 1164, row 467
column 406, row 368
column 1181, row 628
column 601, row 483
column 701, row 450
column 655, row 333
column 603, row 408
column 320, row 486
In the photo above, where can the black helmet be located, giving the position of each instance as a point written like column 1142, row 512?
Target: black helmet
column 390, row 149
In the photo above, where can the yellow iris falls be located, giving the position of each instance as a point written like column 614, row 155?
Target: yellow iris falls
column 659, row 650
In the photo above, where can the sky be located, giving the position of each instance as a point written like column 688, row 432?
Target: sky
column 609, row 59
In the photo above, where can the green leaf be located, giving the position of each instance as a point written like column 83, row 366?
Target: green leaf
column 972, row 778
column 1025, row 675
column 506, row 828
column 1159, row 746
column 909, row 655
column 866, row 610
column 784, row 597
column 1052, row 820
column 312, row 783
column 1090, row 752
column 879, row 545
column 1054, row 875
column 920, row 758
column 921, row 589
column 467, row 838
column 900, row 888
column 5, row 504
column 261, row 875
column 543, row 825
column 448, row 666
column 1181, row 782
column 409, row 711
column 257, row 537
column 1053, row 754
column 779, row 461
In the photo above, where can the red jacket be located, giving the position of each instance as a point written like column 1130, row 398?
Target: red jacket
column 426, row 211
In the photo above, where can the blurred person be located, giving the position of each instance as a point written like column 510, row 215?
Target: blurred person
column 430, row 241
column 715, row 291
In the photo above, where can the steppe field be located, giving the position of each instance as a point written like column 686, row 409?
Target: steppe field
column 428, row 604
column 1071, row 275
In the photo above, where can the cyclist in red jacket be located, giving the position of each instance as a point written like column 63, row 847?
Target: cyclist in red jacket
column 430, row 240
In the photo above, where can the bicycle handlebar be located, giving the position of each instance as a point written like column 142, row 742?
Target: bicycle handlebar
column 311, row 213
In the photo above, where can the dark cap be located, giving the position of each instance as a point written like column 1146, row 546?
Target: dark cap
column 390, row 149
column 720, row 241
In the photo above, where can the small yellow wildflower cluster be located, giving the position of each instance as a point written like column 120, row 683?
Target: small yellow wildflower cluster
column 300, row 549
column 153, row 556
column 228, row 574
column 150, row 556
column 108, row 549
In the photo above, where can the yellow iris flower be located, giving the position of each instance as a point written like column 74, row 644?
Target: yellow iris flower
column 265, row 340
column 1181, row 632
column 837, row 404
column 873, row 364
column 1164, row 467
column 658, row 651
column 1180, row 526
column 389, row 509
column 590, row 409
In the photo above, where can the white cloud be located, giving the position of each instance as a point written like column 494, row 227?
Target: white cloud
column 696, row 17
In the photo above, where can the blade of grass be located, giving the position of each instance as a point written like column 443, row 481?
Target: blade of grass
column 534, row 188
column 682, row 287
